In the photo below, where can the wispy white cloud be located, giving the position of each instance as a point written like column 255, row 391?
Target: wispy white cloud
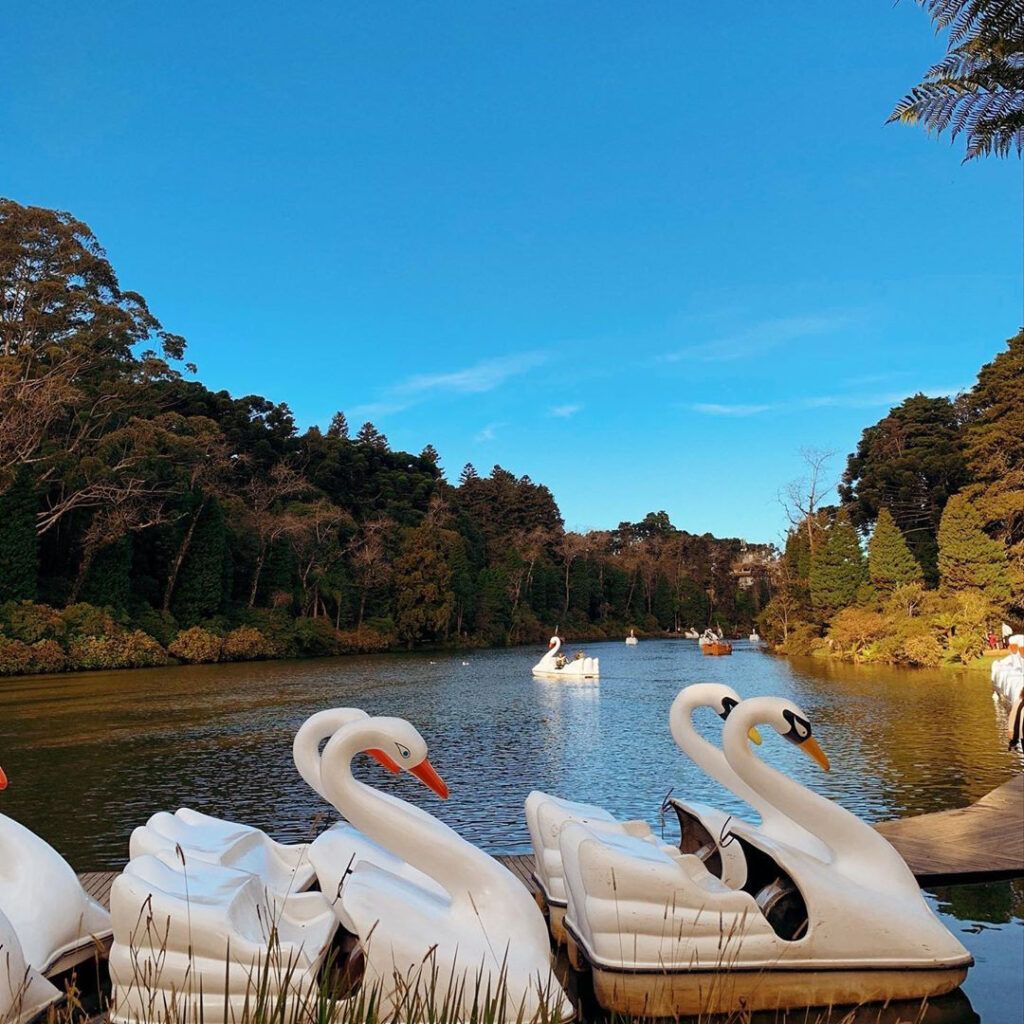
column 870, row 400
column 718, row 409
column 563, row 412
column 760, row 337
column 488, row 433
column 481, row 377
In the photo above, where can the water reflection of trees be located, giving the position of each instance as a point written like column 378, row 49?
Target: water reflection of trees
column 930, row 739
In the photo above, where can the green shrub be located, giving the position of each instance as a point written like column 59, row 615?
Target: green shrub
column 801, row 640
column 246, row 644
column 923, row 649
column 29, row 622
column 89, row 621
column 315, row 638
column 363, row 641
column 15, row 657
column 196, row 645
column 159, row 625
column 854, row 630
column 48, row 656
column 126, row 650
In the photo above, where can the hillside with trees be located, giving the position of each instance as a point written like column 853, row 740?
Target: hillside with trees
column 936, row 490
column 145, row 518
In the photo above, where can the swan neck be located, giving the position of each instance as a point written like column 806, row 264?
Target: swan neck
column 403, row 829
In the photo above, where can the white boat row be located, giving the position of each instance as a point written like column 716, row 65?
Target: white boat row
column 803, row 904
column 1008, row 688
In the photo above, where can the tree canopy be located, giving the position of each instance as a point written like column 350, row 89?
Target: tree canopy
column 977, row 89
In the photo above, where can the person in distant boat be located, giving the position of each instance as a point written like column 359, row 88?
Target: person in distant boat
column 578, row 656
column 560, row 661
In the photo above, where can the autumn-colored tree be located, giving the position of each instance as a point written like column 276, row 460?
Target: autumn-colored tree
column 368, row 554
column 266, row 498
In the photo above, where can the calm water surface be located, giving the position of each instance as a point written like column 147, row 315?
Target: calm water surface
column 91, row 756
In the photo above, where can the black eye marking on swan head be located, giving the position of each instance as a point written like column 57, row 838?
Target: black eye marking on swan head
column 404, row 751
column 727, row 705
column 799, row 728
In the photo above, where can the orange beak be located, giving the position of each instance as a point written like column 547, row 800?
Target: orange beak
column 380, row 756
column 424, row 771
column 811, row 748
column 3, row 779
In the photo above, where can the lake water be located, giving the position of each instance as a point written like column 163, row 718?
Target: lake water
column 93, row 755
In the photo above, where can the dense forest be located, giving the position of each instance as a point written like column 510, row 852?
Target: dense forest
column 936, row 489
column 145, row 518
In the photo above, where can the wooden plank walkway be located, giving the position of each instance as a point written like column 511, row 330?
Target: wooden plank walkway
column 983, row 842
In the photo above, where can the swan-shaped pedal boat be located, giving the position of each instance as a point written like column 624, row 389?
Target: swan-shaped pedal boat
column 703, row 828
column 282, row 868
column 665, row 937
column 57, row 923
column 212, row 943
column 1008, row 672
column 556, row 666
column 632, row 640
column 699, row 824
column 484, row 925
column 24, row 992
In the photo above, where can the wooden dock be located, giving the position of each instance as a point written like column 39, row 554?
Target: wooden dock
column 980, row 843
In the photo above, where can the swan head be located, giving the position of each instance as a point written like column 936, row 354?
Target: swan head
column 400, row 742
column 793, row 725
column 553, row 642
column 717, row 696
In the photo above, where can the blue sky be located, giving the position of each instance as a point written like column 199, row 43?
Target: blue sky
column 641, row 252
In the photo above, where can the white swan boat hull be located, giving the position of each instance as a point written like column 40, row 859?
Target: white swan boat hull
column 545, row 817
column 24, row 992
column 56, row 921
column 198, row 939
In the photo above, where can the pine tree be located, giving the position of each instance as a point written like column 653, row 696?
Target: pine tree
column 837, row 568
column 200, row 590
column 968, row 558
column 339, row 426
column 372, row 437
column 424, row 601
column 108, row 581
column 19, row 545
column 430, row 454
column 468, row 473
column 890, row 563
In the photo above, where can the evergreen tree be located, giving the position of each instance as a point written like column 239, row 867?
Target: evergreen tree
column 468, row 473
column 339, row 426
column 19, row 545
column 424, row 601
column 890, row 563
column 108, row 581
column 995, row 452
column 911, row 461
column 837, row 568
column 372, row 437
column 200, row 590
column 968, row 558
